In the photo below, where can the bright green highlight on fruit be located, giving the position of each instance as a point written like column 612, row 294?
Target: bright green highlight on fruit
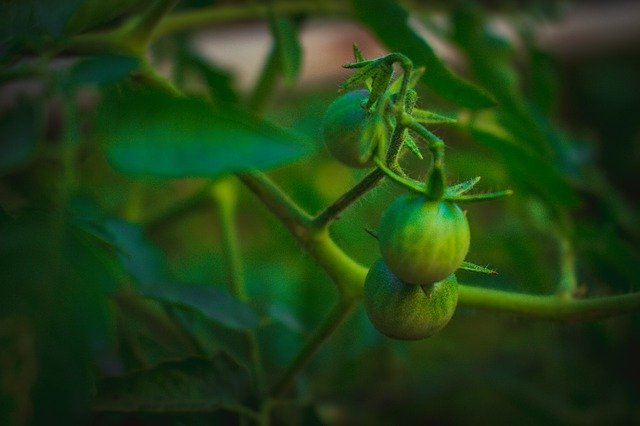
column 406, row 311
column 423, row 241
column 344, row 124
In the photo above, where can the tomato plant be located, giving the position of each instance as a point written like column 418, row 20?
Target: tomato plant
column 344, row 126
column 184, row 241
column 408, row 311
column 423, row 241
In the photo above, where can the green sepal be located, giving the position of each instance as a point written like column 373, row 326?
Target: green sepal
column 361, row 64
column 411, row 144
column 462, row 187
column 381, row 80
column 357, row 53
column 478, row 197
column 368, row 70
column 374, row 136
column 429, row 117
column 468, row 266
column 414, row 79
column 411, row 100
column 409, row 184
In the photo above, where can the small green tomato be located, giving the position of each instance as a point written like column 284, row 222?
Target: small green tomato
column 407, row 311
column 343, row 126
column 423, row 241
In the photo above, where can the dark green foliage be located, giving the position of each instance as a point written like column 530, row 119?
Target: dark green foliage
column 115, row 303
column 155, row 134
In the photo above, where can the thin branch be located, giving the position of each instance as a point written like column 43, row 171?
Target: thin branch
column 336, row 317
column 290, row 214
column 548, row 307
column 201, row 17
column 370, row 181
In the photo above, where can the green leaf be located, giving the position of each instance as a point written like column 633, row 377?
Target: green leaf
column 190, row 385
column 219, row 81
column 142, row 259
column 19, row 134
column 389, row 21
column 215, row 303
column 155, row 134
column 147, row 263
column 101, row 71
column 288, row 48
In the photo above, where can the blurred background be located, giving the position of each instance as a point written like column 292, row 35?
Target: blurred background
column 566, row 77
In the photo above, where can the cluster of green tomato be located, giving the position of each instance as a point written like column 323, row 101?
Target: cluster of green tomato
column 410, row 292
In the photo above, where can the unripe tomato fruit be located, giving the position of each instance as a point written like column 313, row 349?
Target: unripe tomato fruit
column 343, row 126
column 407, row 311
column 423, row 241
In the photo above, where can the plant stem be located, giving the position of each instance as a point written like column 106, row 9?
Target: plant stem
column 369, row 182
column 190, row 203
column 332, row 212
column 568, row 283
column 200, row 17
column 290, row 214
column 225, row 194
column 337, row 315
column 548, row 307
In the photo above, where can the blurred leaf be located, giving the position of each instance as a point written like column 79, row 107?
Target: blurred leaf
column 212, row 338
column 55, row 275
column 544, row 85
column 154, row 133
column 101, row 70
column 288, row 48
column 528, row 170
column 215, row 303
column 190, row 385
column 219, row 82
column 92, row 13
column 142, row 259
column 148, row 264
column 390, row 22
column 491, row 58
column 54, row 19
column 19, row 133
column 280, row 313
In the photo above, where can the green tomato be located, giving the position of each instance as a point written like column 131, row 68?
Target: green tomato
column 423, row 241
column 406, row 311
column 343, row 126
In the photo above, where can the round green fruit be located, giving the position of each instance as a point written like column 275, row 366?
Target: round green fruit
column 344, row 123
column 423, row 241
column 407, row 311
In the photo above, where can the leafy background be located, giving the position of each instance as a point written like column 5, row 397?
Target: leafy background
column 114, row 300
